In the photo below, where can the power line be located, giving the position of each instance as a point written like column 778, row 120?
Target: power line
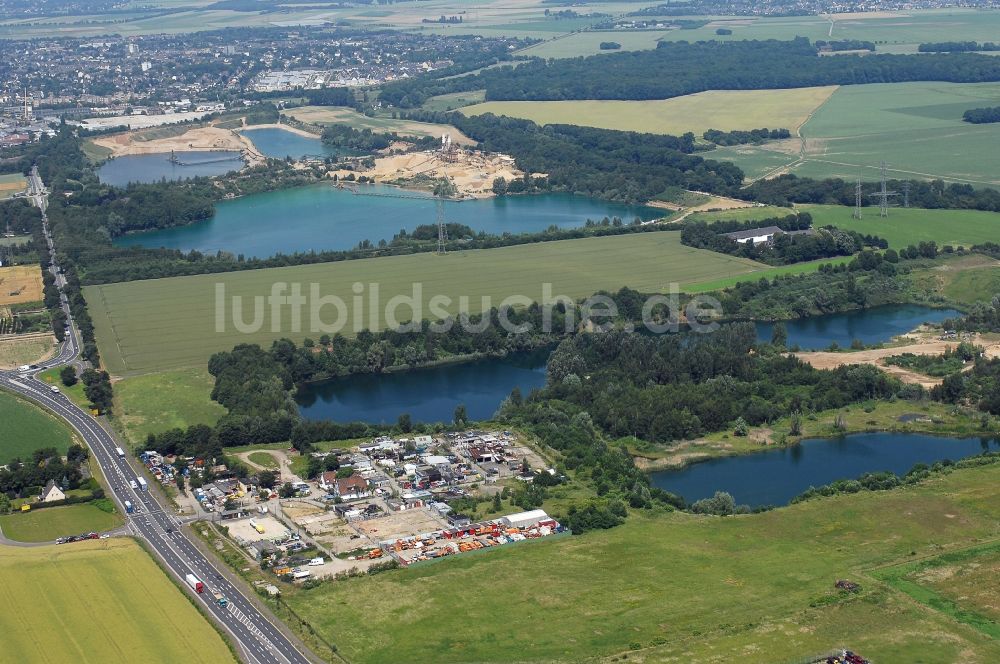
column 883, row 194
column 442, row 231
column 857, row 197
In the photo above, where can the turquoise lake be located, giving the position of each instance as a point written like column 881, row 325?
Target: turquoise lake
column 146, row 168
column 324, row 217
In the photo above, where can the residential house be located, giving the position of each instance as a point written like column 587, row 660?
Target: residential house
column 51, row 493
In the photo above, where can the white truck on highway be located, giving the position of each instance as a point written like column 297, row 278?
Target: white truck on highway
column 142, row 484
column 195, row 583
column 119, row 451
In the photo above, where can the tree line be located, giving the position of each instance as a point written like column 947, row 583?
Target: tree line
column 752, row 137
column 613, row 165
column 784, row 248
column 680, row 68
column 957, row 47
column 982, row 115
column 789, row 189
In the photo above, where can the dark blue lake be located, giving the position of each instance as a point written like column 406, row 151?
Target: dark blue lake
column 155, row 167
column 428, row 395
column 776, row 476
column 871, row 326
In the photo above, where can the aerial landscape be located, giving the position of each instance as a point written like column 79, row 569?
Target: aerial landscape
column 365, row 331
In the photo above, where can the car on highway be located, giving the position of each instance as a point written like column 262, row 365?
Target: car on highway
column 55, row 390
column 134, row 485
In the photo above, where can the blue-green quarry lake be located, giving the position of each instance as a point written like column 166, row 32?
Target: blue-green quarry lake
column 324, row 217
column 145, row 168
column 281, row 143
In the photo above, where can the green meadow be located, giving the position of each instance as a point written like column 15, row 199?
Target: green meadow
column 906, row 226
column 50, row 523
column 678, row 587
column 27, row 427
column 160, row 324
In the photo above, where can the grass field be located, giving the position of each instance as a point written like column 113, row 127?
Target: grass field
column 45, row 525
column 20, row 283
column 25, row 349
column 28, row 428
column 263, row 459
column 894, row 32
column 156, row 402
column 148, row 326
column 321, row 115
column 142, row 617
column 912, row 225
column 916, row 128
column 677, row 587
column 75, row 393
column 14, row 241
column 11, row 184
column 721, row 109
column 963, row 585
column 454, row 100
column 971, row 286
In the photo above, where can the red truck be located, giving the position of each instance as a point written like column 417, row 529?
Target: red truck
column 195, row 584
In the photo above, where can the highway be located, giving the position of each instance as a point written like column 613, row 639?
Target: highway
column 256, row 638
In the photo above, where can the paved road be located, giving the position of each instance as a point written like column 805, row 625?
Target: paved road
column 259, row 641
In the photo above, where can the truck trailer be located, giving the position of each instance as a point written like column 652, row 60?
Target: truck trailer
column 195, row 584
column 128, row 506
column 142, row 484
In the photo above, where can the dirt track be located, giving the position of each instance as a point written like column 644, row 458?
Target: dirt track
column 828, row 360
column 199, row 139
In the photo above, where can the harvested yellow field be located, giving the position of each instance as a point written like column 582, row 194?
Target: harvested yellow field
column 20, row 283
column 11, row 184
column 19, row 349
column 321, row 115
column 52, row 594
column 726, row 110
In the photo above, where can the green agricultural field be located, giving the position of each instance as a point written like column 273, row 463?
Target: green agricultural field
column 454, row 100
column 322, row 115
column 164, row 400
column 721, row 109
column 916, row 128
column 894, row 32
column 51, row 595
column 908, row 226
column 15, row 241
column 678, row 587
column 741, row 214
column 149, row 326
column 28, row 428
column 50, row 523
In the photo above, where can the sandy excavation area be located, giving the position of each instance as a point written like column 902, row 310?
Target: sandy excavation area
column 471, row 172
column 194, row 140
column 828, row 360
